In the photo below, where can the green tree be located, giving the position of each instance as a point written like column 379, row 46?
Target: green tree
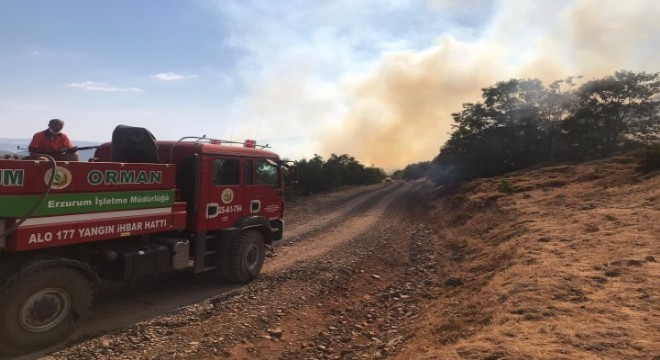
column 558, row 105
column 416, row 171
column 614, row 111
column 316, row 175
column 507, row 131
column 310, row 175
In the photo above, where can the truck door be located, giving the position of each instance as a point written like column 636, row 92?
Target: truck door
column 267, row 190
column 226, row 195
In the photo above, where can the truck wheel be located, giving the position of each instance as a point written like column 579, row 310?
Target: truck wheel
column 42, row 308
column 246, row 256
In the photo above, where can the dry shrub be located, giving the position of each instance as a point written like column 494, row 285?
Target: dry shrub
column 648, row 159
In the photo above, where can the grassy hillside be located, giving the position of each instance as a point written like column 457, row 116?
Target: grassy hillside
column 558, row 262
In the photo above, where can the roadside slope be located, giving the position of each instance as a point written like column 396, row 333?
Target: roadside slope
column 564, row 267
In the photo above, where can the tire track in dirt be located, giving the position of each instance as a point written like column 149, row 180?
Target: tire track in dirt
column 119, row 304
column 319, row 223
column 163, row 294
column 336, row 234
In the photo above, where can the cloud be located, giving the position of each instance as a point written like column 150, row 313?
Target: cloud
column 170, row 76
column 101, row 86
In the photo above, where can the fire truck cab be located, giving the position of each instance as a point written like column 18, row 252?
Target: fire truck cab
column 140, row 208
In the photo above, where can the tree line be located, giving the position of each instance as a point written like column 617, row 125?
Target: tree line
column 318, row 175
column 522, row 122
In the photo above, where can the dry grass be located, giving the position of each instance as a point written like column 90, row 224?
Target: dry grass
column 567, row 267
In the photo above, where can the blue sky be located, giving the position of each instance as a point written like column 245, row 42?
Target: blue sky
column 374, row 79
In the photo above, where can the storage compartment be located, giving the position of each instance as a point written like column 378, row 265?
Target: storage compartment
column 180, row 251
column 133, row 262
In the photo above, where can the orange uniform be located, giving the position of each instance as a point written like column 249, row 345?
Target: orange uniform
column 48, row 143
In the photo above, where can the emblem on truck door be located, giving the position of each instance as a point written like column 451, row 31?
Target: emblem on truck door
column 227, row 196
column 62, row 177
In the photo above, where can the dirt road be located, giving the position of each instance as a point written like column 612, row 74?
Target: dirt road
column 321, row 294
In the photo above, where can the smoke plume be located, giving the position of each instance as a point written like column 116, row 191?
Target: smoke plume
column 401, row 112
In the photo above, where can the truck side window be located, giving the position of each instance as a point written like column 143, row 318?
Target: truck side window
column 267, row 174
column 226, row 172
column 249, row 172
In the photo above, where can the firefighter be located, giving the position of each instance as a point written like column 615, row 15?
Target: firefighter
column 53, row 142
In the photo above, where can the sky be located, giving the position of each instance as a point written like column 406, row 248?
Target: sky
column 375, row 79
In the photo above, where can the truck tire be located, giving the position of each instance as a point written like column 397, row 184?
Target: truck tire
column 246, row 256
column 42, row 308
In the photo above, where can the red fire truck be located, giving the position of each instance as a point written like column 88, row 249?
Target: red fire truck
column 140, row 207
